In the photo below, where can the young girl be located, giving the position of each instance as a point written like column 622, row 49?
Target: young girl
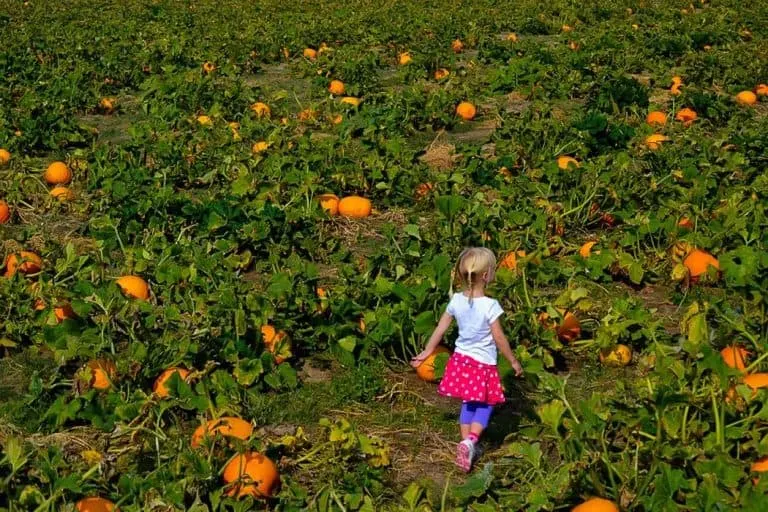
column 471, row 373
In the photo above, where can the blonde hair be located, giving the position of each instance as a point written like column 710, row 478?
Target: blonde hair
column 473, row 262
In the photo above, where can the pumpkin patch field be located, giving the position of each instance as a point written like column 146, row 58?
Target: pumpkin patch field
column 227, row 227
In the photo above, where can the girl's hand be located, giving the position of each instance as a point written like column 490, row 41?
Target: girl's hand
column 518, row 369
column 417, row 360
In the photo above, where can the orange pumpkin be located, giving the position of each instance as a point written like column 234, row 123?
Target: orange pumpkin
column 5, row 156
column 329, row 203
column 57, row 174
column 734, row 356
column 355, row 207
column 746, row 98
column 761, row 90
column 569, row 329
column 226, row 426
column 654, row 141
column 62, row 193
column 656, row 118
column 565, row 162
column 64, row 312
column 5, row 212
column 759, row 466
column 261, row 109
column 585, row 251
column 457, row 46
column 596, row 505
column 423, row 189
column 310, row 53
column 102, row 373
column 466, row 110
column 159, row 386
column 756, row 381
column 208, row 67
column 426, row 370
column 510, row 260
column 26, row 262
column 336, row 87
column 698, row 262
column 134, row 287
column 274, row 342
column 687, row 116
column 441, row 73
column 95, row 504
column 107, row 105
column 251, row 474
column 686, row 223
column 404, row 58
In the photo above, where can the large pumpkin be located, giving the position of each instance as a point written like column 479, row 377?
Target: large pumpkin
column 426, row 370
column 698, row 262
column 251, row 474
column 355, row 207
column 596, row 505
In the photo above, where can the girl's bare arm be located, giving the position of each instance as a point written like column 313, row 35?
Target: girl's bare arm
column 434, row 340
column 503, row 345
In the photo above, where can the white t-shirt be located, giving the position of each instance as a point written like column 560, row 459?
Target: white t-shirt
column 475, row 339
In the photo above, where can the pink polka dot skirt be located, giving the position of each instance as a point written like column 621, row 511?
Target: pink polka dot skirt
column 471, row 381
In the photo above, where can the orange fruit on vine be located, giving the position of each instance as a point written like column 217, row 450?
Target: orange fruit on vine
column 5, row 157
column 62, row 193
column 565, row 162
column 251, row 474
column 95, row 504
column 596, row 505
column 159, row 386
column 26, row 262
column 735, row 356
column 337, row 87
column 656, row 118
column 227, row 426
column 329, row 203
column 310, row 53
column 57, row 173
column 457, row 46
column 466, row 110
column 261, row 109
column 134, row 287
column 441, row 73
column 698, row 262
column 687, row 116
column 746, row 98
column 355, row 207
column 5, row 212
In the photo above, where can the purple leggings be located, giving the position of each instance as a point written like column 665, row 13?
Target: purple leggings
column 475, row 412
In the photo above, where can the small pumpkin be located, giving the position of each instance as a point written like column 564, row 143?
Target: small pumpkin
column 685, row 223
column 656, row 118
column 204, row 120
column 226, row 426
column 57, row 173
column 310, row 53
column 62, row 193
column 761, row 90
column 404, row 58
column 746, row 98
column 276, row 343
column 457, row 46
column 329, row 203
column 351, row 100
column 100, row 373
column 208, row 67
column 620, row 355
column 686, row 115
column 735, row 356
column 355, row 207
column 565, row 162
column 596, row 505
column 134, row 287
column 261, row 109
column 26, row 262
column 337, row 87
column 569, row 328
column 441, row 73
column 426, row 370
column 466, row 110
column 655, row 141
column 5, row 212
column 510, row 260
column 585, row 251
column 5, row 156
column 698, row 262
column 756, row 381
column 95, row 504
column 160, row 388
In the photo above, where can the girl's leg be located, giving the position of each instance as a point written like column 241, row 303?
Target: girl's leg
column 465, row 418
column 480, row 420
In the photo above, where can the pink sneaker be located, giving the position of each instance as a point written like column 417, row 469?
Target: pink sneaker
column 465, row 452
